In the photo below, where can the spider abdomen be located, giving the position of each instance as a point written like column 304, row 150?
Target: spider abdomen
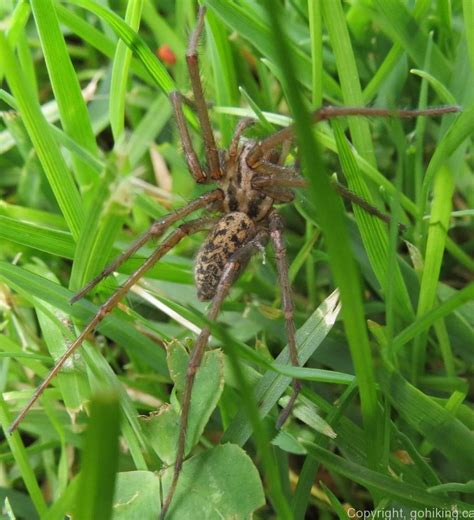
column 230, row 233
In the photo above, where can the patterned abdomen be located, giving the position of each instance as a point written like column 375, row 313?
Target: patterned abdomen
column 229, row 234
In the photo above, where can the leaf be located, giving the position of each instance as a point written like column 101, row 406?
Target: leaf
column 220, row 483
column 163, row 427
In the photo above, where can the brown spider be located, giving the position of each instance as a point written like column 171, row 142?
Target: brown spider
column 251, row 179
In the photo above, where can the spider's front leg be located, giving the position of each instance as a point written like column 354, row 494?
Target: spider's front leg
column 229, row 275
column 156, row 231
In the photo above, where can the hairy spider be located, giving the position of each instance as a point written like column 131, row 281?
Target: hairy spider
column 251, row 178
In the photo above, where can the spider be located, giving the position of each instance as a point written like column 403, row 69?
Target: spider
column 251, row 179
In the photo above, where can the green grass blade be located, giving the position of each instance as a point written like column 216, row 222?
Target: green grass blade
column 135, row 43
column 67, row 91
column 100, row 460
column 461, row 128
column 17, row 448
column 438, row 425
column 97, row 39
column 105, row 217
column 439, row 223
column 390, row 487
column 271, row 386
column 443, row 93
column 120, row 69
column 48, row 152
column 372, row 230
column 468, row 11
column 42, row 238
column 118, row 329
column 333, row 15
column 257, row 31
column 403, row 28
column 224, row 73
column 331, row 217
column 422, row 323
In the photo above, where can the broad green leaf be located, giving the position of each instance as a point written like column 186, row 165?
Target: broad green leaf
column 219, row 483
column 163, row 427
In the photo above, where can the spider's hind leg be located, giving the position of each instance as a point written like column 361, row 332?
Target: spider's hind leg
column 172, row 240
column 229, row 275
column 278, row 243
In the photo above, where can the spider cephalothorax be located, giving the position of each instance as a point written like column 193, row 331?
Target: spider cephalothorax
column 239, row 191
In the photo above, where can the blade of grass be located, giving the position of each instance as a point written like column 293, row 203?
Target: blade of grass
column 100, row 459
column 334, row 17
column 224, row 72
column 388, row 486
column 403, row 28
column 105, row 216
column 271, row 386
column 39, row 237
column 48, row 152
column 331, row 217
column 96, row 39
column 17, row 448
column 422, row 323
column 442, row 91
column 372, row 230
column 316, row 33
column 311, row 465
column 439, row 223
column 468, row 11
column 438, row 425
column 67, row 91
column 461, row 128
column 258, row 32
column 118, row 328
column 393, row 57
column 120, row 70
column 135, row 43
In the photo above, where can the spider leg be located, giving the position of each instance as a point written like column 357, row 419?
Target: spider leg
column 277, row 181
column 242, row 125
column 228, row 277
column 362, row 203
column 330, row 112
column 177, row 100
column 276, row 177
column 174, row 238
column 212, row 155
column 155, row 231
column 278, row 243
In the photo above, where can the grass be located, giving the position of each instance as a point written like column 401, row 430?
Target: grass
column 89, row 150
